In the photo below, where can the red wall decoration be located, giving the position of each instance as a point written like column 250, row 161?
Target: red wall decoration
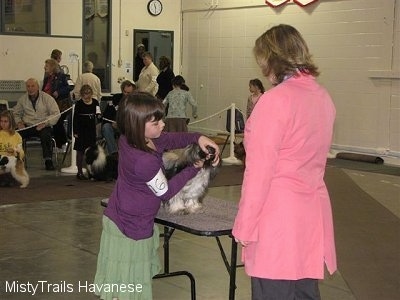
column 276, row 3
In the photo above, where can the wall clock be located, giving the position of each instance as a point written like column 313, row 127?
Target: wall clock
column 154, row 7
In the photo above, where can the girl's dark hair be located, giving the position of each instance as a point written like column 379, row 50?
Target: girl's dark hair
column 56, row 54
column 257, row 82
column 282, row 51
column 178, row 81
column 9, row 115
column 133, row 112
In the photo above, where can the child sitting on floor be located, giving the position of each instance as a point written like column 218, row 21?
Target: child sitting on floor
column 10, row 143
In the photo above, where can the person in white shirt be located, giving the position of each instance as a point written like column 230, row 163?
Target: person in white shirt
column 147, row 81
column 87, row 77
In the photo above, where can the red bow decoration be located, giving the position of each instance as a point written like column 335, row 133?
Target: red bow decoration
column 304, row 2
column 276, row 3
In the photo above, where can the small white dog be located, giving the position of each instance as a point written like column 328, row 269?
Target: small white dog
column 14, row 165
column 188, row 199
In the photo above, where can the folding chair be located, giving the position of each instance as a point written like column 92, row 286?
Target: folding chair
column 239, row 124
column 36, row 140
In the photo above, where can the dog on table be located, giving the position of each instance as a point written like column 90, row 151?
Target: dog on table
column 189, row 198
column 16, row 167
column 101, row 166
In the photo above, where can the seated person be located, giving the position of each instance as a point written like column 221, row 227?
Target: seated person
column 108, row 128
column 10, row 143
column 39, row 110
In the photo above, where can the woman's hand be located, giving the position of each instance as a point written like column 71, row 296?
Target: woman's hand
column 204, row 142
column 243, row 243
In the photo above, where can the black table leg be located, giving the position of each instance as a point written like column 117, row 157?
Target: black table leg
column 232, row 272
column 168, row 231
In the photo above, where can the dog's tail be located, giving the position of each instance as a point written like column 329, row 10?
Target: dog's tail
column 96, row 159
column 20, row 174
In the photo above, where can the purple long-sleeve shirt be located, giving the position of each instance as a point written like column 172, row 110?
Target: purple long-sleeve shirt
column 133, row 205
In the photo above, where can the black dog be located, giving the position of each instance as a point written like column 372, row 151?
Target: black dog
column 99, row 165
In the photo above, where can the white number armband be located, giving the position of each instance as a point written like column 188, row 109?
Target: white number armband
column 159, row 184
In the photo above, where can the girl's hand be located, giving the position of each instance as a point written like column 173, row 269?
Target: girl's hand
column 11, row 151
column 216, row 161
column 204, row 142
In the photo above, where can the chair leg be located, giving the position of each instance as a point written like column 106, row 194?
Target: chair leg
column 66, row 152
column 54, row 146
column 226, row 142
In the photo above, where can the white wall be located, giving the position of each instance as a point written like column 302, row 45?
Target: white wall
column 134, row 15
column 350, row 41
column 354, row 42
column 22, row 57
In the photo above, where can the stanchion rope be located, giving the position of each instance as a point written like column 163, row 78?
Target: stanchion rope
column 48, row 119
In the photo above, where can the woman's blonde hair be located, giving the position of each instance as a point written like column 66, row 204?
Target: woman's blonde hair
column 53, row 64
column 281, row 51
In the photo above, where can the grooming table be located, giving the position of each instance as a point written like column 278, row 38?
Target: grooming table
column 215, row 219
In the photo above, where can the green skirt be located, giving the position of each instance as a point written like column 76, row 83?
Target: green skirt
column 125, row 267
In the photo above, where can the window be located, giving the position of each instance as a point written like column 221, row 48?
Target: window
column 25, row 16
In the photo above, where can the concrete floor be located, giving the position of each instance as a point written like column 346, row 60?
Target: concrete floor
column 56, row 243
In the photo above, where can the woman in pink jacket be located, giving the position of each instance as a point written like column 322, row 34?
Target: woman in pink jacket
column 284, row 222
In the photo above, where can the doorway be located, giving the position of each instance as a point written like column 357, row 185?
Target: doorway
column 96, row 39
column 157, row 42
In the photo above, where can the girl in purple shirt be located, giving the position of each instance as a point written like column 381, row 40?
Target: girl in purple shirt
column 130, row 239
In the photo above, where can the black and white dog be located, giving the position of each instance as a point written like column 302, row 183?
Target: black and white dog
column 189, row 198
column 99, row 165
column 14, row 165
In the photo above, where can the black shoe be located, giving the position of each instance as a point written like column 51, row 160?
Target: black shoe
column 80, row 176
column 49, row 165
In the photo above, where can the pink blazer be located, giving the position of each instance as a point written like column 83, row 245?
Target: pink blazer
column 285, row 210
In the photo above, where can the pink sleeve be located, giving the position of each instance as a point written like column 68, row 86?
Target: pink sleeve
column 264, row 133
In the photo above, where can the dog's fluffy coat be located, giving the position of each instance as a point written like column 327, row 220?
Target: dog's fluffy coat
column 188, row 199
column 15, row 166
column 99, row 165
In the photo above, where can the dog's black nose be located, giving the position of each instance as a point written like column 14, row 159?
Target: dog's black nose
column 3, row 161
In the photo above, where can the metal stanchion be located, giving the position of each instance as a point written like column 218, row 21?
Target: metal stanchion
column 72, row 169
column 231, row 159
